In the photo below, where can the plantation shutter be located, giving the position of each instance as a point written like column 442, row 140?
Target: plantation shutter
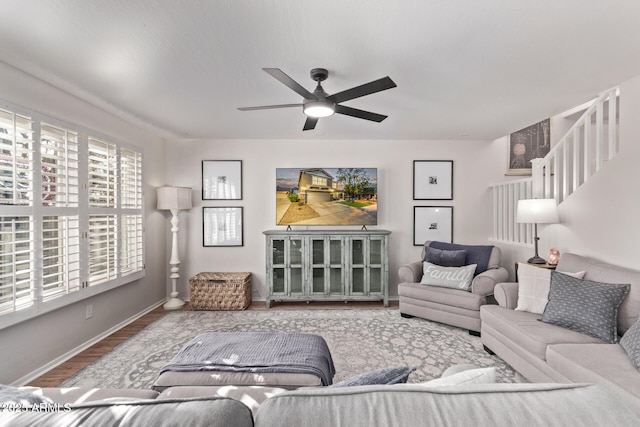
column 103, row 244
column 102, row 174
column 17, row 243
column 131, row 252
column 16, row 159
column 60, row 256
column 59, row 160
column 71, row 215
column 17, row 281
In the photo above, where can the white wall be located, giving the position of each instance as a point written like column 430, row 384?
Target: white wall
column 28, row 346
column 476, row 163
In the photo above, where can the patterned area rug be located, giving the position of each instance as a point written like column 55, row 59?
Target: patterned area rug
column 359, row 340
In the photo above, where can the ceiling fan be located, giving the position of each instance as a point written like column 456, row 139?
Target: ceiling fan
column 320, row 104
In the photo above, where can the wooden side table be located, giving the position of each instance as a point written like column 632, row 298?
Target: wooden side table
column 545, row 265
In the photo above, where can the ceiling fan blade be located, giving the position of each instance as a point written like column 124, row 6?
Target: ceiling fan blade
column 279, row 75
column 361, row 114
column 269, row 107
column 362, row 90
column 310, row 123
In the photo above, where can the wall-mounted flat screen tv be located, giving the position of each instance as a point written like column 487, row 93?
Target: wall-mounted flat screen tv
column 326, row 196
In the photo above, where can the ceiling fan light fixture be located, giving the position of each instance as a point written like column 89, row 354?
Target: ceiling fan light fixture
column 319, row 109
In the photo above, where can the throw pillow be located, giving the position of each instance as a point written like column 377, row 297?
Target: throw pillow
column 445, row 258
column 630, row 342
column 533, row 287
column 478, row 254
column 23, row 397
column 470, row 376
column 585, row 306
column 448, row 277
column 383, row 376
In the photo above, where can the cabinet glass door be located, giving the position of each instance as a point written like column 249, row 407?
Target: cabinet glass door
column 278, row 266
column 336, row 281
column 296, row 278
column 375, row 265
column 358, row 266
column 317, row 266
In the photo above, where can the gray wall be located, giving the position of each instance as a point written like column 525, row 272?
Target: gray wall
column 27, row 347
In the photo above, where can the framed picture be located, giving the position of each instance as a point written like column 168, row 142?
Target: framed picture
column 222, row 180
column 433, row 180
column 432, row 223
column 532, row 142
column 222, row 226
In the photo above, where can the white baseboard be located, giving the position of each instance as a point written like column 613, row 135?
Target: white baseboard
column 82, row 347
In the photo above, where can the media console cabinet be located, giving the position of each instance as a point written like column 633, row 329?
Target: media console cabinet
column 327, row 265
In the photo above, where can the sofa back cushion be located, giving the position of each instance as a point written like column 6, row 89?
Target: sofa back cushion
column 485, row 257
column 408, row 405
column 608, row 273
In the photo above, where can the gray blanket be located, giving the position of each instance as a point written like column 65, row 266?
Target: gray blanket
column 256, row 352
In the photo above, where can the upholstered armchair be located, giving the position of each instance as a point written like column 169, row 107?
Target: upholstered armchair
column 456, row 307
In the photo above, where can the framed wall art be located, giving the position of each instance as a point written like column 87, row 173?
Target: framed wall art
column 530, row 143
column 222, row 226
column 433, row 180
column 222, row 180
column 432, row 223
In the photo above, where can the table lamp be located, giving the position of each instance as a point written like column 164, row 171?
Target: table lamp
column 537, row 211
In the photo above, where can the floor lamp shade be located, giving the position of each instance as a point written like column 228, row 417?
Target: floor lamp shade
column 174, row 198
column 537, row 211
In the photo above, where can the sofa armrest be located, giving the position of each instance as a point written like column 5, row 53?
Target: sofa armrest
column 485, row 282
column 410, row 273
column 506, row 294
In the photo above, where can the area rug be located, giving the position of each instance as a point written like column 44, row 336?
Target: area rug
column 359, row 341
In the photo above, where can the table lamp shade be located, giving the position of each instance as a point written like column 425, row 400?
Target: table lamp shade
column 174, row 198
column 537, row 211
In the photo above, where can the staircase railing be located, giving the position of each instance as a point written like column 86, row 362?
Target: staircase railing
column 577, row 156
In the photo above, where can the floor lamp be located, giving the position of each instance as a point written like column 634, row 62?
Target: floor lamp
column 537, row 211
column 174, row 199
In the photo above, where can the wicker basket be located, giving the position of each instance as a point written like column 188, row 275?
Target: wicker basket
column 220, row 291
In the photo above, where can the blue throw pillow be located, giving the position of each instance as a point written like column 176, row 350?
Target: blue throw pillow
column 479, row 254
column 445, row 258
column 382, row 376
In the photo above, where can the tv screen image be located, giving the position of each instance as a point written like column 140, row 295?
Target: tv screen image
column 326, row 196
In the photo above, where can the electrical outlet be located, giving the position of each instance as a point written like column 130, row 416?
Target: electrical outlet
column 89, row 312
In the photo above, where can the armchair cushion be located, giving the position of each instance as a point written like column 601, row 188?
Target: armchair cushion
column 478, row 254
column 445, row 258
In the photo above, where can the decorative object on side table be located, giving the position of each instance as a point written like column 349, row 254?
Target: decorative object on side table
column 434, row 223
column 537, row 211
column 554, row 256
column 174, row 199
column 432, row 180
column 222, row 180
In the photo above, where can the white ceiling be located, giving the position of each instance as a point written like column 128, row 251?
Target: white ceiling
column 465, row 69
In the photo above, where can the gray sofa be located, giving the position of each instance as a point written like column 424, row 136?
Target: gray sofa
column 451, row 306
column 399, row 405
column 543, row 352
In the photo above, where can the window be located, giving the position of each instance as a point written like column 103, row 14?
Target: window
column 319, row 181
column 71, row 217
